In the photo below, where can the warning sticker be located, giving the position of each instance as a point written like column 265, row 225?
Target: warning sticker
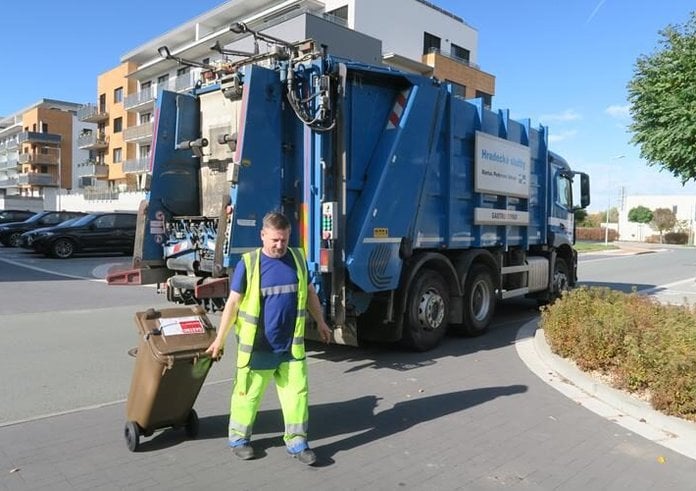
column 181, row 325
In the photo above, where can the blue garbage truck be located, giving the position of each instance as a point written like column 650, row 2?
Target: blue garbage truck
column 418, row 210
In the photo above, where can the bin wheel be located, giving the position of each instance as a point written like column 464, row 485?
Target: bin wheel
column 132, row 434
column 192, row 424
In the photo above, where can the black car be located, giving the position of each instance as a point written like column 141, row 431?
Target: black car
column 96, row 232
column 26, row 240
column 11, row 232
column 10, row 216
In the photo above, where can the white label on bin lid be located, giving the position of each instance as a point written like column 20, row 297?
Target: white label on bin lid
column 175, row 326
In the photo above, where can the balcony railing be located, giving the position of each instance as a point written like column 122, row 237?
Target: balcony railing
column 38, row 158
column 184, row 82
column 98, row 193
column 10, row 182
column 37, row 137
column 140, row 132
column 139, row 99
column 463, row 61
column 36, row 179
column 93, row 169
column 135, row 166
column 91, row 113
column 92, row 141
column 9, row 164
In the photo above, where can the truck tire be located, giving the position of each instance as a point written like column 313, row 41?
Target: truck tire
column 561, row 278
column 479, row 301
column 427, row 311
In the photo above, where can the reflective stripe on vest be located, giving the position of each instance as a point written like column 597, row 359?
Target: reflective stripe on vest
column 250, row 308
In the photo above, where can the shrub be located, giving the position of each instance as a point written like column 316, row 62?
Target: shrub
column 676, row 238
column 595, row 233
column 639, row 343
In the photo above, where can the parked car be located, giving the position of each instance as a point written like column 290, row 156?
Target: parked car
column 11, row 216
column 26, row 240
column 11, row 232
column 95, row 232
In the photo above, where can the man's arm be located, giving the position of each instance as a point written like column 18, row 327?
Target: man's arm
column 229, row 315
column 314, row 307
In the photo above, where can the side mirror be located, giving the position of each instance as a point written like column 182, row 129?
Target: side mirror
column 584, row 191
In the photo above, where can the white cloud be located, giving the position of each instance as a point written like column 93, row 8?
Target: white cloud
column 561, row 136
column 567, row 115
column 618, row 112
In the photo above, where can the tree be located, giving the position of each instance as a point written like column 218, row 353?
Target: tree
column 640, row 214
column 580, row 216
column 662, row 99
column 663, row 220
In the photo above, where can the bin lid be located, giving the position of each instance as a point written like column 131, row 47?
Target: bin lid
column 179, row 332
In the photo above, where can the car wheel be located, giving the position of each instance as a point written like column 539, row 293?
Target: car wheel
column 63, row 248
column 14, row 239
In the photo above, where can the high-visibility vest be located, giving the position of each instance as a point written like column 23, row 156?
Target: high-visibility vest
column 250, row 308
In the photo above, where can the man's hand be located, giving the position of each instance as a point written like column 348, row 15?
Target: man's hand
column 215, row 350
column 324, row 332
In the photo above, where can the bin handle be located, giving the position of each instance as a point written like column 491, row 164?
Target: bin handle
column 153, row 332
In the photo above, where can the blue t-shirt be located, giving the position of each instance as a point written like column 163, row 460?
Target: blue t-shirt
column 278, row 308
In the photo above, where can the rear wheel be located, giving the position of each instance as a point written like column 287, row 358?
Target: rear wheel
column 14, row 239
column 63, row 248
column 192, row 424
column 427, row 311
column 132, row 434
column 479, row 301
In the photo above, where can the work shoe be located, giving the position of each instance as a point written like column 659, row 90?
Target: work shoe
column 244, row 452
column 305, row 456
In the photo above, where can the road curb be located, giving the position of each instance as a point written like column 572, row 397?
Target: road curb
column 628, row 411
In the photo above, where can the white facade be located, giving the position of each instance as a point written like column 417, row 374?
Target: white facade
column 683, row 206
column 401, row 25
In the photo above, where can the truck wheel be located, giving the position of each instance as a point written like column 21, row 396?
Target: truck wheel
column 427, row 311
column 561, row 278
column 63, row 248
column 192, row 424
column 14, row 239
column 479, row 301
column 132, row 434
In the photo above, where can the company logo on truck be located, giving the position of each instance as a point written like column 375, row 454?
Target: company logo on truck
column 501, row 166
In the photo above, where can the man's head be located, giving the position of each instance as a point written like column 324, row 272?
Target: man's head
column 275, row 234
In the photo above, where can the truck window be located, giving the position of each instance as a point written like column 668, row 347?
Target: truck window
column 564, row 192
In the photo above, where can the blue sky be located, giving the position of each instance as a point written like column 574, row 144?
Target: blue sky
column 564, row 64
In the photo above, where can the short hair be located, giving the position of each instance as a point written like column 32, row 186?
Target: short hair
column 276, row 221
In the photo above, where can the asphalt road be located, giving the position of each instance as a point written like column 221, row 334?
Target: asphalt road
column 468, row 415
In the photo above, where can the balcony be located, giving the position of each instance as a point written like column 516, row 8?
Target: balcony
column 141, row 132
column 184, row 82
column 8, row 164
column 10, row 182
column 36, row 137
column 38, row 159
column 140, row 100
column 91, row 168
column 92, row 141
column 36, row 179
column 136, row 166
column 91, row 113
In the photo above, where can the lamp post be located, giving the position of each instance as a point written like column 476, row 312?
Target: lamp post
column 606, row 227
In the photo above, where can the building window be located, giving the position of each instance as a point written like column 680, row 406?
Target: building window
column 118, row 95
column 145, row 85
column 487, row 98
column 102, row 103
column 182, row 71
column 44, row 127
column 145, row 118
column 457, row 89
column 430, row 43
column 460, row 53
column 118, row 125
column 118, row 155
column 340, row 12
column 162, row 80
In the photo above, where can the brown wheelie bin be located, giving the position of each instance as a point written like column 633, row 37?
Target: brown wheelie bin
column 170, row 368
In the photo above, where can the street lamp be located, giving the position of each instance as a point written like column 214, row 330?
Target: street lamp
column 606, row 227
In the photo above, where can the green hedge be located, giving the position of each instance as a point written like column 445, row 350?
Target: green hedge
column 640, row 344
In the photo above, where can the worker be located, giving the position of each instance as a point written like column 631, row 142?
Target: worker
column 269, row 295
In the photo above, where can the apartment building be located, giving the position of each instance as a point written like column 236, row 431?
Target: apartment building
column 412, row 35
column 38, row 147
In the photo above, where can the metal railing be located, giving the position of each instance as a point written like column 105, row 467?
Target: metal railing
column 93, row 194
column 9, row 164
column 140, row 132
column 93, row 169
column 38, row 137
column 38, row 158
column 91, row 113
column 37, row 179
column 140, row 98
column 134, row 166
column 92, row 140
column 184, row 82
column 10, row 182
column 463, row 61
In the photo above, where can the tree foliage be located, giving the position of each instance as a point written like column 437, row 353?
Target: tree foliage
column 663, row 220
column 640, row 214
column 662, row 95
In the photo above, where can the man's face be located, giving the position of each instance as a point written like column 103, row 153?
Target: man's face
column 275, row 242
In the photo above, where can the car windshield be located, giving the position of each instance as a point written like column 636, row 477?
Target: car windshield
column 83, row 220
column 35, row 218
column 68, row 223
